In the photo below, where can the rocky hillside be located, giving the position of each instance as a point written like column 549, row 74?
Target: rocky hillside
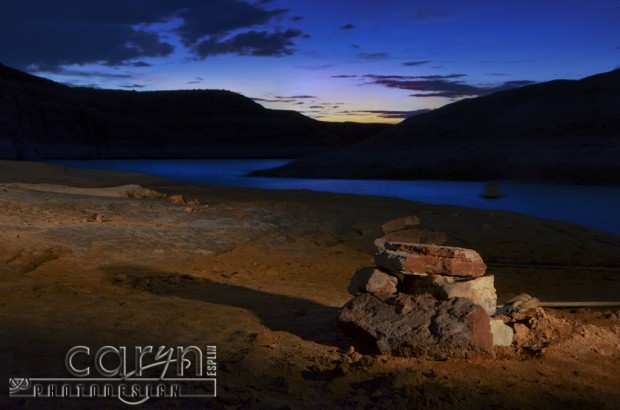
column 42, row 119
column 559, row 131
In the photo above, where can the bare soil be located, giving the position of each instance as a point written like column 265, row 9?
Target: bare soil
column 262, row 274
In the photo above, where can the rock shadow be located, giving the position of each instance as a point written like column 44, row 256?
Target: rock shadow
column 307, row 319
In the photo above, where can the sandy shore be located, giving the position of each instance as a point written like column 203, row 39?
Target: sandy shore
column 261, row 275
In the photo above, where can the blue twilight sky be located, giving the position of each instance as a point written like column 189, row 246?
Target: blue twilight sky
column 334, row 60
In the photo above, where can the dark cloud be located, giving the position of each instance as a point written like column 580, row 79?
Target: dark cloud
column 430, row 15
column 217, row 18
column 448, row 86
column 297, row 18
column 315, row 67
column 286, row 99
column 415, row 63
column 347, row 26
column 394, row 114
column 411, row 77
column 297, row 96
column 272, row 100
column 374, row 56
column 452, row 89
column 355, row 46
column 141, row 64
column 87, row 74
column 47, row 33
column 133, row 86
column 196, row 80
column 251, row 43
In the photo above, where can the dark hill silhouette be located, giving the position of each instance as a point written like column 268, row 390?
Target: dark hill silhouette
column 559, row 131
column 41, row 119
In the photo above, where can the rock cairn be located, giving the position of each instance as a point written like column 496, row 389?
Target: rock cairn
column 426, row 301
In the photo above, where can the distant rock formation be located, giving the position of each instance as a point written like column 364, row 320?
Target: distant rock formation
column 559, row 131
column 41, row 119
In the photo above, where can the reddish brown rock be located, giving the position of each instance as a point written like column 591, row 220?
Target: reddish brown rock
column 401, row 223
column 418, row 326
column 430, row 260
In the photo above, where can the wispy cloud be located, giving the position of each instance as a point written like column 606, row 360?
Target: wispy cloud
column 392, row 114
column 447, row 86
column 415, row 63
column 374, row 56
column 315, row 67
column 133, row 86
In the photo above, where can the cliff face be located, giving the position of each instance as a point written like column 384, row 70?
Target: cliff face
column 559, row 131
column 42, row 119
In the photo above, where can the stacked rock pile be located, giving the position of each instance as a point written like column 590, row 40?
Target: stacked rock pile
column 425, row 301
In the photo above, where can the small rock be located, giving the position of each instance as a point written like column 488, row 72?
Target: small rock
column 359, row 281
column 401, row 223
column 177, row 199
column 502, row 333
column 121, row 277
column 381, row 282
column 521, row 334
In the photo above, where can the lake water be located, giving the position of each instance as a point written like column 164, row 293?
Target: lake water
column 596, row 206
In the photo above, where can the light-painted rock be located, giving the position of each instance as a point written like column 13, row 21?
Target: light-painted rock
column 502, row 333
column 372, row 280
column 418, row 326
column 480, row 290
column 430, row 259
column 381, row 282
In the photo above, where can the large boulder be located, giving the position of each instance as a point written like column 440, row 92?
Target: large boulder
column 418, row 326
column 430, row 260
column 480, row 290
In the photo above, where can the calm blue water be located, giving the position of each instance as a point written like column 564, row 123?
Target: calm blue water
column 594, row 206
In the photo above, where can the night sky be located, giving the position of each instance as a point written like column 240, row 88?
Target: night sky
column 333, row 60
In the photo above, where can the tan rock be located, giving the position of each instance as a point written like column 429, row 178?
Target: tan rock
column 480, row 290
column 372, row 280
column 430, row 260
column 502, row 333
column 401, row 223
column 381, row 282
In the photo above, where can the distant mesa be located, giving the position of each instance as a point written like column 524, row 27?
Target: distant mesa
column 42, row 119
column 561, row 131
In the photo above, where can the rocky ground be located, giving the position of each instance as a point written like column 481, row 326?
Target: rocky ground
column 262, row 274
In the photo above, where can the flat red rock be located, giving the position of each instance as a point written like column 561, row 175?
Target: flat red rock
column 430, row 260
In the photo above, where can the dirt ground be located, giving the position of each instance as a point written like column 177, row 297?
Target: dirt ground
column 262, row 274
